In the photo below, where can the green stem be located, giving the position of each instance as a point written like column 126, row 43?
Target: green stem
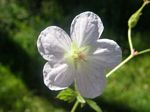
column 136, row 16
column 130, row 41
column 143, row 51
column 121, row 64
column 77, row 100
column 126, row 60
column 75, row 106
column 143, row 5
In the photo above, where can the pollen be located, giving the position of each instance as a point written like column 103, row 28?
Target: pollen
column 79, row 56
column 82, row 56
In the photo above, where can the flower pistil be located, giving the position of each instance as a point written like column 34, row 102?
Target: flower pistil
column 76, row 54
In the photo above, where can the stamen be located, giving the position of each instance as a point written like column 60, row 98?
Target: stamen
column 82, row 56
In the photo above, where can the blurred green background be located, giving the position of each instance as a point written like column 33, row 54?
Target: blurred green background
column 21, row 84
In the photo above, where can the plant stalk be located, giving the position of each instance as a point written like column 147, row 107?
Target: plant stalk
column 75, row 106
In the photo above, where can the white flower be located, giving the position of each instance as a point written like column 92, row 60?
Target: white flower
column 82, row 57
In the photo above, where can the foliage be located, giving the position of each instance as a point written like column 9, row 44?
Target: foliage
column 15, row 97
column 68, row 95
column 94, row 105
column 129, row 88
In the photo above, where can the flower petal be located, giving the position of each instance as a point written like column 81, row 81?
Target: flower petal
column 108, row 53
column 90, row 80
column 86, row 28
column 57, row 76
column 52, row 43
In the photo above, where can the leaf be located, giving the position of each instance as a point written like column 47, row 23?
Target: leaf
column 80, row 99
column 82, row 105
column 94, row 105
column 68, row 95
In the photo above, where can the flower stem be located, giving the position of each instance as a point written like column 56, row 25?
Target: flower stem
column 121, row 64
column 143, row 51
column 130, row 40
column 126, row 60
column 132, row 51
column 75, row 106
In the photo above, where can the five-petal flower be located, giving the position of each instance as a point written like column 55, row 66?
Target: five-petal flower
column 82, row 57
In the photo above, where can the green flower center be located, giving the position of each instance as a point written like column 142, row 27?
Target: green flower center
column 77, row 54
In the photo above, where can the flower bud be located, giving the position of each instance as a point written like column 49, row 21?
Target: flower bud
column 133, row 20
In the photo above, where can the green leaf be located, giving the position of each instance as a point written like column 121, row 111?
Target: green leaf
column 82, row 105
column 80, row 99
column 68, row 95
column 94, row 105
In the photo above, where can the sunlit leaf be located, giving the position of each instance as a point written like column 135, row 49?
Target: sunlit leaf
column 80, row 99
column 94, row 105
column 67, row 95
